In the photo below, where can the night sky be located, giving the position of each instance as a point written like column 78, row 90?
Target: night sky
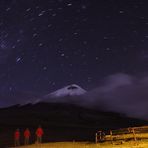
column 48, row 44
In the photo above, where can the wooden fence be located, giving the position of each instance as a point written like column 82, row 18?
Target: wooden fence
column 124, row 134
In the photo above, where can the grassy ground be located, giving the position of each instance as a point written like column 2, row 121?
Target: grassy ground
column 131, row 144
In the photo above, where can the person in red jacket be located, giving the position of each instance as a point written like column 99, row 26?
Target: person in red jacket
column 17, row 138
column 27, row 136
column 39, row 134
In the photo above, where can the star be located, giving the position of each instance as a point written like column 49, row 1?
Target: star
column 53, row 83
column 14, row 46
column 97, row 58
column 44, row 68
column 85, row 42
column 60, row 40
column 40, row 44
column 49, row 25
column 28, row 9
column 54, row 14
column 83, row 7
column 18, row 40
column 8, row 9
column 70, row 65
column 105, row 37
column 70, row 4
column 18, row 59
column 62, row 55
column 41, row 13
column 34, row 35
column 49, row 40
column 121, row 11
column 107, row 49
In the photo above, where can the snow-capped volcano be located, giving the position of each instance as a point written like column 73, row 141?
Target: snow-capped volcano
column 70, row 90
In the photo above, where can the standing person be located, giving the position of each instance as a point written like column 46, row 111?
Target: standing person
column 39, row 134
column 17, row 138
column 27, row 136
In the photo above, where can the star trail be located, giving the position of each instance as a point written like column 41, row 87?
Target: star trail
column 47, row 44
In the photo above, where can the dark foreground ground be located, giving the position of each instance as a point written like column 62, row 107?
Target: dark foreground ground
column 60, row 122
column 129, row 144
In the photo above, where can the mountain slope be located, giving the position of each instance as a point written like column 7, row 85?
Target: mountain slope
column 63, row 115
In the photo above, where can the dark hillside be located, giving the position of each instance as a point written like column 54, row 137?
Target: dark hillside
column 61, row 122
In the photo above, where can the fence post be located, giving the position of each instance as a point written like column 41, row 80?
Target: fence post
column 134, row 135
column 100, row 135
column 96, row 137
column 111, row 138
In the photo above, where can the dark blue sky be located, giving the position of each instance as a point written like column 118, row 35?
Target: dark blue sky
column 47, row 44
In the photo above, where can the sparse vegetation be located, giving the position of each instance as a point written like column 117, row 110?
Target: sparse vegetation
column 130, row 144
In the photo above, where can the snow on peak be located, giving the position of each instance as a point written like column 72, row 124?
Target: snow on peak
column 70, row 90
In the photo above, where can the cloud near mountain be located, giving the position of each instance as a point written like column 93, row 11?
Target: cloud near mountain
column 119, row 92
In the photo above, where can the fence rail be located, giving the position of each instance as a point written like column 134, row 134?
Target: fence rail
column 131, row 133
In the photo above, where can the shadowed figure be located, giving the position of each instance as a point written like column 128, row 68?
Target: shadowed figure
column 39, row 134
column 17, row 138
column 27, row 135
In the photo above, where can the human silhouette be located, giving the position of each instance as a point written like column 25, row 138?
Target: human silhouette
column 27, row 135
column 39, row 134
column 17, row 138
